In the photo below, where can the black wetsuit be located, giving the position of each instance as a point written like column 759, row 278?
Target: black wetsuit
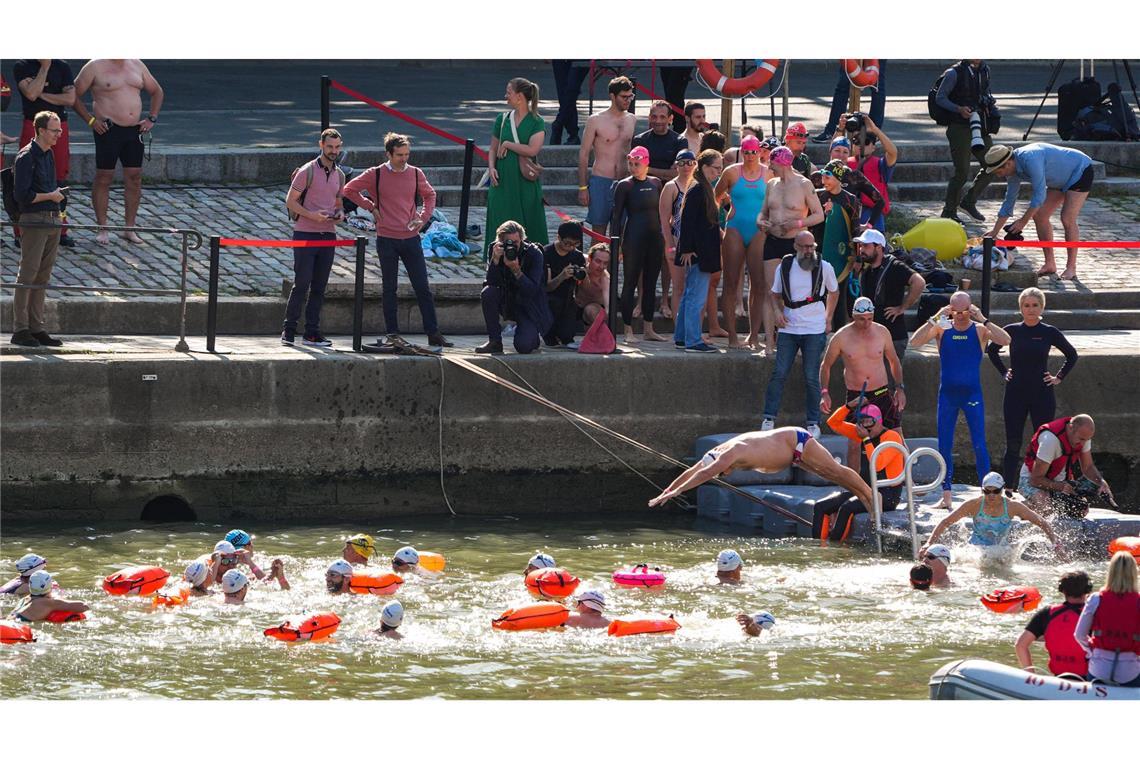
column 841, row 507
column 1027, row 394
column 642, row 244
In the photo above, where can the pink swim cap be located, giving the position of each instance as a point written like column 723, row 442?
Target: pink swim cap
column 641, row 153
column 750, row 142
column 781, row 156
column 870, row 410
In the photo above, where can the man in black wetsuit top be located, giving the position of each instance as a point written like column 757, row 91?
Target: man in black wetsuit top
column 662, row 142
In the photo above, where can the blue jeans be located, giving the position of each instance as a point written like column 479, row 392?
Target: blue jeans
column 786, row 346
column 843, row 92
column 688, row 322
column 311, row 268
column 409, row 251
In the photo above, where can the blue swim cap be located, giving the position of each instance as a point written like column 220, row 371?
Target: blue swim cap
column 238, row 538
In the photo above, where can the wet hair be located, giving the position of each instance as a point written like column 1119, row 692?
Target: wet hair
column 1075, row 583
column 43, row 118
column 921, row 576
column 571, row 230
column 620, row 85
column 394, row 140
column 713, row 140
column 509, row 227
column 1122, row 574
column 691, row 106
column 1031, row 293
column 598, row 247
column 528, row 90
column 707, row 157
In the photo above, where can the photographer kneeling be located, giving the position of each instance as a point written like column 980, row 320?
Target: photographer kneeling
column 565, row 266
column 514, row 288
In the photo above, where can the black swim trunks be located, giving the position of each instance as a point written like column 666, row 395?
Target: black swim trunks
column 119, row 144
column 884, row 398
column 776, row 248
column 1084, row 184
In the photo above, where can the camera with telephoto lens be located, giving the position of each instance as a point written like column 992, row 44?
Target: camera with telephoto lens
column 977, row 141
column 510, row 250
column 578, row 272
column 855, row 123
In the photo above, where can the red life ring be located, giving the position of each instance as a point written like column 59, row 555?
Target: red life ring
column 733, row 87
column 862, row 72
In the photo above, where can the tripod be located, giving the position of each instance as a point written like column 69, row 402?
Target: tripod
column 1092, row 72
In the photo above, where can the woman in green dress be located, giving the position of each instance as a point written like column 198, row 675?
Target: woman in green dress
column 514, row 196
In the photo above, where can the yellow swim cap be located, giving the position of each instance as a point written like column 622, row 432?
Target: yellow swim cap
column 362, row 543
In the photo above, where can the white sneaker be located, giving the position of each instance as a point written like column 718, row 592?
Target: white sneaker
column 814, row 431
column 767, row 425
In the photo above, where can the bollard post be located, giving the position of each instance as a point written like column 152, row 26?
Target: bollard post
column 465, row 201
column 325, row 116
column 358, row 295
column 987, row 272
column 212, row 302
column 615, row 246
column 182, row 345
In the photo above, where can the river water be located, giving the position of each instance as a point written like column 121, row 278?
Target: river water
column 848, row 624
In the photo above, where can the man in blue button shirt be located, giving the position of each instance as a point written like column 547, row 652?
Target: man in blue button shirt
column 39, row 197
column 1060, row 177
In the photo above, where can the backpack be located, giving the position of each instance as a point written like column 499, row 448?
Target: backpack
column 1096, row 122
column 308, row 181
column 1123, row 116
column 818, row 292
column 1071, row 98
column 941, row 116
column 8, row 184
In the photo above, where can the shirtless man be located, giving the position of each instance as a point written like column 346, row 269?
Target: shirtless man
column 696, row 125
column 590, row 611
column 390, row 619
column 609, row 135
column 119, row 123
column 769, row 451
column 864, row 344
column 39, row 603
column 790, row 205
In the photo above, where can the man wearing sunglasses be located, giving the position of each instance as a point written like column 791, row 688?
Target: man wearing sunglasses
column 961, row 344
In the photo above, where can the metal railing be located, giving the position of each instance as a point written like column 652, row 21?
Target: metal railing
column 912, row 490
column 187, row 246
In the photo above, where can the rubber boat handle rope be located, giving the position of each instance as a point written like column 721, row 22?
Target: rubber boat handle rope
column 540, row 399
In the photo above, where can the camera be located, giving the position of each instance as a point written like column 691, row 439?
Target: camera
column 976, row 140
column 855, row 123
column 510, row 250
column 578, row 272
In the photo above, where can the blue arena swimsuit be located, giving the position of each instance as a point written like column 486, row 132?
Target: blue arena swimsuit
column 992, row 531
column 747, row 200
column 960, row 390
column 802, row 437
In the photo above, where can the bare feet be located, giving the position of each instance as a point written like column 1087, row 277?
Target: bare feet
column 103, row 238
column 666, row 312
column 132, row 237
column 1046, row 270
column 650, row 334
column 630, row 337
column 1069, row 274
column 718, row 333
column 754, row 342
column 947, row 502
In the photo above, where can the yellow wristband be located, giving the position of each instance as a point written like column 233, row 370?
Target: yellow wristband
column 91, row 122
column 584, row 187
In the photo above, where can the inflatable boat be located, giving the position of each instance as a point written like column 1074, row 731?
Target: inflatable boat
column 982, row 679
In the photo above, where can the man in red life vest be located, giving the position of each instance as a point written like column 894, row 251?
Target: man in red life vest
column 1053, row 451
column 1055, row 625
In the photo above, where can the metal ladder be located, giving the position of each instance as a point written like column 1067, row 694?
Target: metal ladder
column 912, row 489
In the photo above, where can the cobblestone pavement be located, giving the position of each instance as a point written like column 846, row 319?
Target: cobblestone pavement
column 260, row 213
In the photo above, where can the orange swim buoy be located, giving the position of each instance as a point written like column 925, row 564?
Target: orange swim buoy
column 862, row 72
column 432, row 562
column 63, row 616
column 633, row 627
column 1130, row 544
column 531, row 616
column 177, row 599
column 551, row 583
column 135, row 581
column 1012, row 599
column 313, row 628
column 736, row 86
column 381, row 584
column 16, row 633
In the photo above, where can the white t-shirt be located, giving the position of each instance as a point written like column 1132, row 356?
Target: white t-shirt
column 1048, row 449
column 810, row 319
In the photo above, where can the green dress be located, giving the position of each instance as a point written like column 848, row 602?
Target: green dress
column 516, row 198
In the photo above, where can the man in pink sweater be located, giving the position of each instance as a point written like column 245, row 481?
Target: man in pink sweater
column 393, row 193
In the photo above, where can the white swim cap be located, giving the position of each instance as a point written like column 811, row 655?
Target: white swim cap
column 940, row 551
column 595, row 600
column 728, row 560
column 40, row 583
column 196, row 573
column 234, row 581
column 392, row 614
column 29, row 562
column 541, row 560
column 224, row 547
column 407, row 556
column 764, row 620
column 340, row 567
column 993, row 480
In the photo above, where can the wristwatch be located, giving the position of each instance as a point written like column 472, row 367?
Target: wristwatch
column 152, row 118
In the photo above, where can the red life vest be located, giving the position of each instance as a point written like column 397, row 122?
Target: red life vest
column 1116, row 623
column 871, row 169
column 1069, row 454
column 1065, row 654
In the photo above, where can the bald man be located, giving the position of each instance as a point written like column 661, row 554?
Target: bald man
column 1046, row 474
column 962, row 333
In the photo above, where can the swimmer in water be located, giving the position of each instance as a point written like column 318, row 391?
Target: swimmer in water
column 993, row 517
column 199, row 576
column 25, row 566
column 39, row 603
column 589, row 612
column 728, row 566
column 937, row 558
column 539, row 561
column 755, row 624
column 243, row 544
column 235, row 585
column 768, row 451
column 338, row 576
column 921, row 577
column 406, row 560
column 390, row 619
column 358, row 549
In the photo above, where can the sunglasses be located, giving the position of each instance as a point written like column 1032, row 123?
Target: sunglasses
column 751, row 152
column 991, row 491
column 687, row 162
